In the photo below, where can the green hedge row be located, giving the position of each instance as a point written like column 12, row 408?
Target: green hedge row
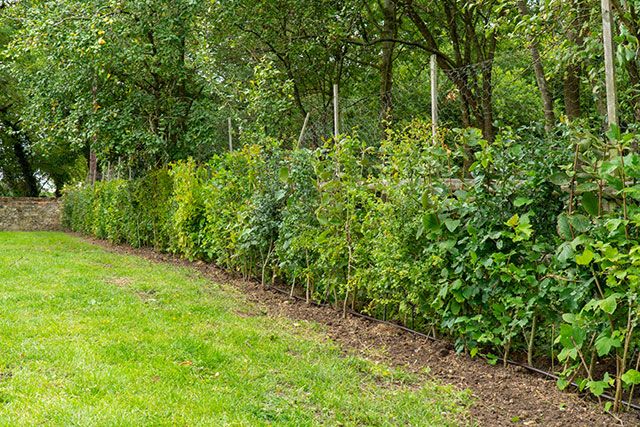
column 506, row 248
column 138, row 212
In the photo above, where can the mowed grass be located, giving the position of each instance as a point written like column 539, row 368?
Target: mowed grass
column 89, row 337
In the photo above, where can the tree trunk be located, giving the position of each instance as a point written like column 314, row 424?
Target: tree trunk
column 470, row 49
column 547, row 100
column 628, row 16
column 20, row 141
column 488, row 132
column 59, row 184
column 571, row 87
column 31, row 184
column 389, row 32
column 485, row 121
column 576, row 35
column 93, row 167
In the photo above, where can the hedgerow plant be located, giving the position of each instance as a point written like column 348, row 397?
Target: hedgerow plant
column 600, row 257
column 295, row 247
column 510, row 247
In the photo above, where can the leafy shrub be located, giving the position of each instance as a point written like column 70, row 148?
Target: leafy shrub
column 137, row 212
column 525, row 246
column 295, row 247
column 189, row 215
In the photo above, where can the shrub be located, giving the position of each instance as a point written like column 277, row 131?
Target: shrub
column 516, row 245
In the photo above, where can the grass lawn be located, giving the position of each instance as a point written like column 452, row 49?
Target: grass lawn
column 89, row 337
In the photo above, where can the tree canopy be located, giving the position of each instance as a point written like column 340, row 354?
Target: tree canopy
column 144, row 83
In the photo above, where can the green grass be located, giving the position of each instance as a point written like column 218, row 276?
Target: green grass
column 89, row 337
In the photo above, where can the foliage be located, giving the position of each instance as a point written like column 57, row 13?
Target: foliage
column 139, row 212
column 600, row 254
column 518, row 237
column 510, row 246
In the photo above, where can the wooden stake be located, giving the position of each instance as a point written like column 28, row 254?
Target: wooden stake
column 607, row 39
column 434, row 98
column 336, row 112
column 304, row 128
column 93, row 161
column 230, row 130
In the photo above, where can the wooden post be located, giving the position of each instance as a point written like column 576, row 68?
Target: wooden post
column 304, row 127
column 610, row 75
column 230, row 130
column 336, row 112
column 93, row 161
column 434, row 98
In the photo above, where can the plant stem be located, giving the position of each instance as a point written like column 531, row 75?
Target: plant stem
column 623, row 363
column 531, row 337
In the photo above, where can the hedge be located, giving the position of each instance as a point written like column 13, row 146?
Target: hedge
column 505, row 248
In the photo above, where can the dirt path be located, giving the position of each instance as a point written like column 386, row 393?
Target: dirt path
column 503, row 396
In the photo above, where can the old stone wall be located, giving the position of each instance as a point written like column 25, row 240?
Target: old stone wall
column 29, row 214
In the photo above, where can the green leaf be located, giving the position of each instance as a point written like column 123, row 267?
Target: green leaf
column 590, row 203
column 597, row 387
column 521, row 201
column 452, row 224
column 569, row 318
column 609, row 304
column 604, row 344
column 430, row 222
column 564, row 228
column 425, row 199
column 513, row 221
column 585, row 258
column 586, row 186
column 322, row 218
column 609, row 167
column 580, row 222
column 565, row 252
column 559, row 178
column 562, row 383
column 614, row 132
column 283, row 174
column 571, row 336
column 567, row 353
column 631, row 377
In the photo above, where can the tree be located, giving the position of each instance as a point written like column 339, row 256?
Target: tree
column 117, row 75
column 461, row 35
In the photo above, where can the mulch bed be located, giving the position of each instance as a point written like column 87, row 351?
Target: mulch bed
column 503, row 396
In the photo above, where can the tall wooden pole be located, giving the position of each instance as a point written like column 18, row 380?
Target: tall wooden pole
column 230, row 130
column 93, row 160
column 304, row 128
column 610, row 75
column 434, row 98
column 336, row 112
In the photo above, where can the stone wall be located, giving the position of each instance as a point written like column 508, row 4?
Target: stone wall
column 29, row 214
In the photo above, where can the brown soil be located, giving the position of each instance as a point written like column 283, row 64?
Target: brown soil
column 502, row 396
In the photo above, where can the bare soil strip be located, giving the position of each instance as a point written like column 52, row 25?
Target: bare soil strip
column 502, row 396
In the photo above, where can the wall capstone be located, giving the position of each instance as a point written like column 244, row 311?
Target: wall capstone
column 29, row 214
